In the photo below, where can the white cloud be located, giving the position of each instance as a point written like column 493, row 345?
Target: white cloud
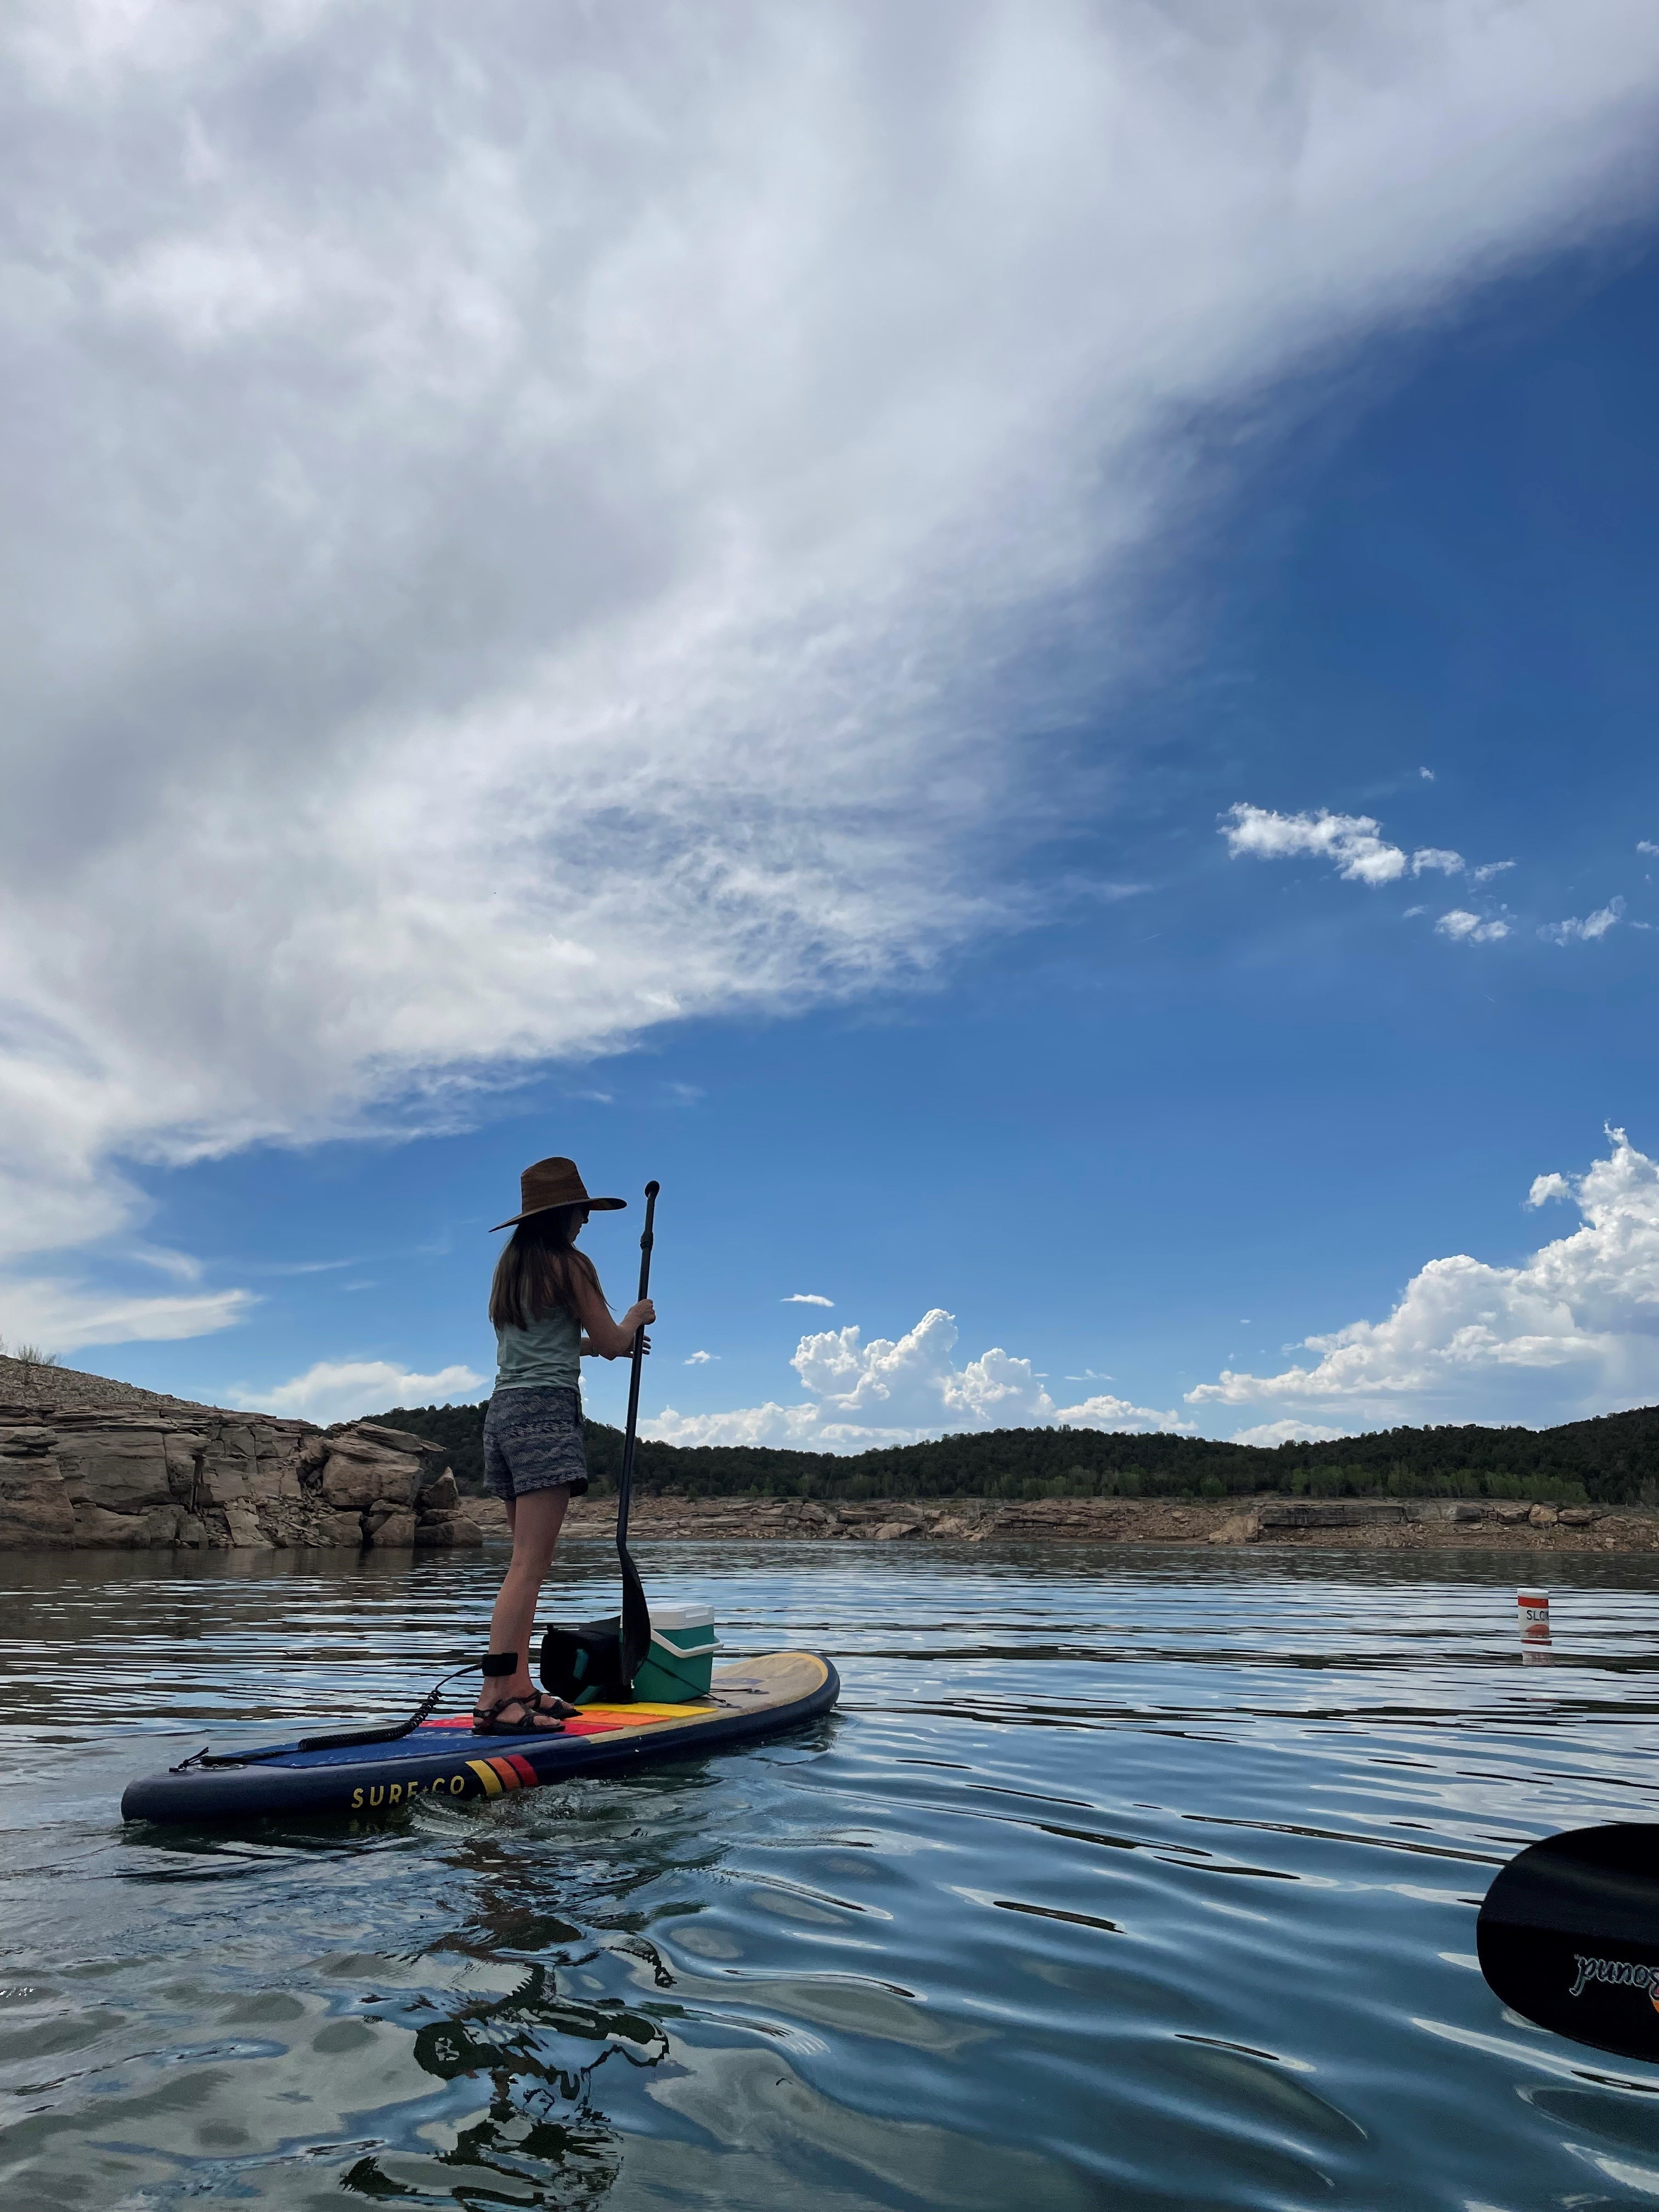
column 345, row 1389
column 805, row 1298
column 1642, row 846
column 1577, row 1323
column 1587, row 931
column 1492, row 868
column 700, row 1359
column 896, row 1391
column 1351, row 840
column 1466, row 928
column 60, row 1316
column 1427, row 774
column 1270, row 1434
column 1354, row 841
column 519, row 537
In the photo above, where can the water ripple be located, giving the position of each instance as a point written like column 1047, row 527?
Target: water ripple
column 1138, row 1880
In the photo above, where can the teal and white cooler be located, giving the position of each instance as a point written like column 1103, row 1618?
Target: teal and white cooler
column 681, row 1659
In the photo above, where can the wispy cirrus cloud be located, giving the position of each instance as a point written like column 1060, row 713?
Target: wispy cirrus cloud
column 62, row 1314
column 697, row 418
column 1593, row 926
column 806, row 1298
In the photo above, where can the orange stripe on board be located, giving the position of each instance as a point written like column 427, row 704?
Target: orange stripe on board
column 509, row 1772
column 487, row 1774
column 521, row 1766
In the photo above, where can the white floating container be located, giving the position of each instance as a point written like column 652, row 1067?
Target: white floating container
column 1533, row 1610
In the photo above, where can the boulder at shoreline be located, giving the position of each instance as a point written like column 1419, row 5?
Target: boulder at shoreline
column 90, row 1464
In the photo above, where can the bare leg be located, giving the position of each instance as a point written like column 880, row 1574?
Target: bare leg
column 535, row 1520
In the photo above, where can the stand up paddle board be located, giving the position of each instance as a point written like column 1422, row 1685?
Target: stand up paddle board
column 443, row 1758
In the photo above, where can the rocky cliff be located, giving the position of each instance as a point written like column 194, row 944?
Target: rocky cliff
column 146, row 1472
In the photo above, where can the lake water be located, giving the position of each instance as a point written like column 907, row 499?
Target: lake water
column 1120, row 1879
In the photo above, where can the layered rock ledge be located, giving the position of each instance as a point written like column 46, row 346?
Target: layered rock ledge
column 141, row 1474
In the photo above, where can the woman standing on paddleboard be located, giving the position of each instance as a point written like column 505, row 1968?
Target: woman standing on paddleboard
column 549, row 1311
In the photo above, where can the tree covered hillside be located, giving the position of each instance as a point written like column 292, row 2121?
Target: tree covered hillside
column 1614, row 1460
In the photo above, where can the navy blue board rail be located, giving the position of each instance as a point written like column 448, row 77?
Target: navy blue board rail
column 756, row 1698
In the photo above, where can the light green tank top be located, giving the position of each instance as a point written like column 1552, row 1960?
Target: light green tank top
column 546, row 1355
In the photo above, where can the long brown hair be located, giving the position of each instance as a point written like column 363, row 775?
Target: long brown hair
column 537, row 1271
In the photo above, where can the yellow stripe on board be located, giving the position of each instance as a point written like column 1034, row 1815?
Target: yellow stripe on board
column 487, row 1774
column 644, row 1712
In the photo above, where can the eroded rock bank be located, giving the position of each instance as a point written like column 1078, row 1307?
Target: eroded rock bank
column 137, row 1476
column 1355, row 1523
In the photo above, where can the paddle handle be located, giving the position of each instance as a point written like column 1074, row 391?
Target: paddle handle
column 625, row 1486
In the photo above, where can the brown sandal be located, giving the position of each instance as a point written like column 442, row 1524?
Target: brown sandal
column 541, row 1716
column 532, row 1721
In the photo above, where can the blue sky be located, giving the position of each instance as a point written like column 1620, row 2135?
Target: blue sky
column 860, row 852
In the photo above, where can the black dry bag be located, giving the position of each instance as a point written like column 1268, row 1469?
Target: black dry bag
column 586, row 1659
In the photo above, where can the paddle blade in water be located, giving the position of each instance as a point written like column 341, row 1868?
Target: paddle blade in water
column 1569, row 1937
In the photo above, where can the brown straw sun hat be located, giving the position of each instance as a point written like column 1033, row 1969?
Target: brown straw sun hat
column 552, row 1183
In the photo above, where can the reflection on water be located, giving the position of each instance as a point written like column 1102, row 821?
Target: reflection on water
column 1132, row 1880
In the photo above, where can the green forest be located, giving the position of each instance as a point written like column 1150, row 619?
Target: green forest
column 1613, row 1460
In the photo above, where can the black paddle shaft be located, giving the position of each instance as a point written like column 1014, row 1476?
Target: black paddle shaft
column 625, row 1487
column 636, row 1635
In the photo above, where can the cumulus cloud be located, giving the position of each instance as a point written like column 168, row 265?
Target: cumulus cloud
column 1642, row 846
column 520, row 536
column 1576, row 1324
column 1587, row 931
column 1354, row 841
column 1362, row 856
column 344, row 1389
column 1492, row 868
column 699, row 1359
column 1271, row 1434
column 805, row 1298
column 1466, row 928
column 895, row 1391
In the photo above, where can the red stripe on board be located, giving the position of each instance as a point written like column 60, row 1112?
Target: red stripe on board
column 526, row 1772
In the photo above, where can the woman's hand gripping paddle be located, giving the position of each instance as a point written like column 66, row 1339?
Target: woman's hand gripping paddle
column 1569, row 1937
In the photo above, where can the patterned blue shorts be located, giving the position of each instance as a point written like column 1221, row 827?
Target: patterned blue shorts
column 532, row 1440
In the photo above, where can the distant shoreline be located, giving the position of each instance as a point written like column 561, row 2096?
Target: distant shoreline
column 86, row 1463
column 1347, row 1524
